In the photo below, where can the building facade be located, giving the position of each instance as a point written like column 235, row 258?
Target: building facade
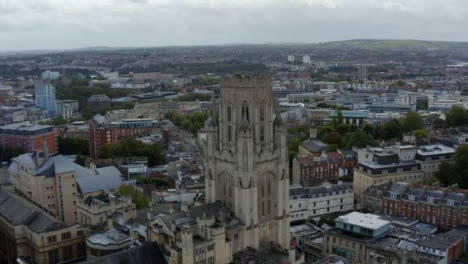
column 443, row 208
column 246, row 160
column 135, row 127
column 67, row 108
column 312, row 171
column 305, row 202
column 351, row 235
column 94, row 210
column 432, row 156
column 29, row 137
column 377, row 166
column 44, row 95
column 99, row 135
column 30, row 234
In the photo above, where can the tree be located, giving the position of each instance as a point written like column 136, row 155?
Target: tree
column 7, row 153
column 137, row 196
column 73, row 146
column 457, row 116
column 133, row 148
column 192, row 124
column 359, row 139
column 447, row 174
column 334, row 138
column 392, row 130
column 420, row 134
column 293, row 148
column 461, row 166
column 412, row 121
column 422, row 105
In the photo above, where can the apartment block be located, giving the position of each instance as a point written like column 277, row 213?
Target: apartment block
column 305, row 202
column 29, row 137
column 99, row 135
column 445, row 208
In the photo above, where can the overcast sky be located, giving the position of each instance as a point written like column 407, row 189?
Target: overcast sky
column 58, row 24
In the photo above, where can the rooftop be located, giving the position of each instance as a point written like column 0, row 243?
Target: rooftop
column 112, row 237
column 23, row 127
column 104, row 178
column 314, row 145
column 18, row 211
column 435, row 150
column 369, row 221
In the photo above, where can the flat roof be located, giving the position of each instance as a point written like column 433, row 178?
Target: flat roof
column 369, row 221
column 375, row 165
column 435, row 150
column 24, row 126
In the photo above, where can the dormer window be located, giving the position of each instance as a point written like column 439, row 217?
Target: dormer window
column 411, row 197
column 450, row 202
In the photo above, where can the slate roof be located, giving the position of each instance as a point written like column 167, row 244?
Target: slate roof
column 20, row 212
column 309, row 192
column 147, row 254
column 314, row 145
column 105, row 178
column 443, row 241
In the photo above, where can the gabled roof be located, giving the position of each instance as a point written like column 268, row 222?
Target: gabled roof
column 104, row 178
column 17, row 211
column 147, row 254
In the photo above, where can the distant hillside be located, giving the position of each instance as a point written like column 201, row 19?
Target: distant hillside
column 392, row 44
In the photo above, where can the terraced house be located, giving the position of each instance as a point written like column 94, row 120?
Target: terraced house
column 445, row 208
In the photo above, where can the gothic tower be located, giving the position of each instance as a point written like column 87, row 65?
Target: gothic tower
column 246, row 160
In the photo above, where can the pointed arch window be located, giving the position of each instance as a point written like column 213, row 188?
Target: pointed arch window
column 229, row 127
column 262, row 122
column 245, row 110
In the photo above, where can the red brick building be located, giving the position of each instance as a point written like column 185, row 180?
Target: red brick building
column 444, row 208
column 135, row 127
column 99, row 136
column 312, row 171
column 29, row 137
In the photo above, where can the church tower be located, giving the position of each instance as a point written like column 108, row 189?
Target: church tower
column 246, row 159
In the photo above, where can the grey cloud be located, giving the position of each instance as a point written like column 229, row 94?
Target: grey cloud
column 70, row 24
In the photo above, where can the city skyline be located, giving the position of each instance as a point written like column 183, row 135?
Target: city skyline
column 28, row 25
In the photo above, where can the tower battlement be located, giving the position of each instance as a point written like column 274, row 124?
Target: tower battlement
column 247, row 81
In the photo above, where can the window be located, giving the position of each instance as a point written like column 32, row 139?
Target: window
column 67, row 253
column 53, row 256
column 51, row 239
column 79, row 233
column 66, row 236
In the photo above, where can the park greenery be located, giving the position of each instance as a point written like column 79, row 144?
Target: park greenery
column 457, row 116
column 81, row 92
column 58, row 121
column 156, row 182
column 7, row 153
column 346, row 136
column 451, row 173
column 136, row 194
column 192, row 123
column 73, row 146
column 133, row 148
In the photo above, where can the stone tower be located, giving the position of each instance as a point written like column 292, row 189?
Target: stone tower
column 246, row 160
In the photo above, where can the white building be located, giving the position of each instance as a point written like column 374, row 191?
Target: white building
column 67, row 108
column 50, row 75
column 305, row 202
